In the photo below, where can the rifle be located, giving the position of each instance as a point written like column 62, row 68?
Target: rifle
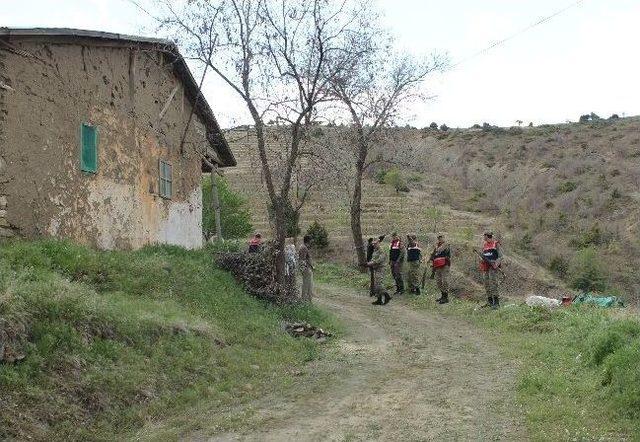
column 493, row 264
column 426, row 269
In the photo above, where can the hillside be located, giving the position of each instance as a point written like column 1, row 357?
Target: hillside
column 549, row 191
column 96, row 345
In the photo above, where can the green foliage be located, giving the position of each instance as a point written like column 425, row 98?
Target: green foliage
column 292, row 218
column 567, row 186
column 613, row 337
column 235, row 218
column 319, row 235
column 115, row 339
column 435, row 215
column 380, row 176
column 395, row 178
column 586, row 272
column 559, row 266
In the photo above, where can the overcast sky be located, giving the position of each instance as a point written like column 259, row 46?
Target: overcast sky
column 586, row 59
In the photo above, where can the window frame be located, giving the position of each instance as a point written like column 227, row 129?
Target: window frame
column 84, row 166
column 165, row 181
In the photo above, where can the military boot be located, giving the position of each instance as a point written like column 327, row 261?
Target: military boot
column 444, row 298
column 387, row 298
column 418, row 291
column 496, row 303
column 489, row 302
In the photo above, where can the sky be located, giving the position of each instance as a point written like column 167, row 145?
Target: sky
column 585, row 60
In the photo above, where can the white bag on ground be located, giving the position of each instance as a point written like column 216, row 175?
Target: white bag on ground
column 542, row 301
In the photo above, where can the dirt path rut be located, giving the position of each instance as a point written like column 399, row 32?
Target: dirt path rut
column 397, row 374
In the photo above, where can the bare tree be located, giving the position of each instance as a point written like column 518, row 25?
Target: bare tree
column 280, row 57
column 374, row 92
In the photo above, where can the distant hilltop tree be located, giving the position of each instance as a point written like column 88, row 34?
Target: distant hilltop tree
column 614, row 117
column 589, row 117
column 433, row 126
column 444, row 127
column 519, row 122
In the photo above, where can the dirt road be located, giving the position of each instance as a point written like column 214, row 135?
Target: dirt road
column 397, row 374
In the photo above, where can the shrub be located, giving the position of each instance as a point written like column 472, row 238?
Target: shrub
column 380, row 176
column 444, row 127
column 586, row 272
column 559, row 266
column 235, row 218
column 395, row 179
column 567, row 186
column 434, row 126
column 319, row 235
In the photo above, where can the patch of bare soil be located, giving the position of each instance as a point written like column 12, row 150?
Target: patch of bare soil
column 397, row 374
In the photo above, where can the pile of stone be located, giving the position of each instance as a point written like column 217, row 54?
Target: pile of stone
column 306, row 330
column 255, row 271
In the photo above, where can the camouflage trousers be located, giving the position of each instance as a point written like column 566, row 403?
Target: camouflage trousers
column 307, row 283
column 490, row 280
column 413, row 275
column 378, row 282
column 442, row 279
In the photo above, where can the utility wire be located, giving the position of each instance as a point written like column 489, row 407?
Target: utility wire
column 511, row 37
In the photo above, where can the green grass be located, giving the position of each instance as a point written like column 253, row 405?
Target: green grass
column 578, row 367
column 116, row 340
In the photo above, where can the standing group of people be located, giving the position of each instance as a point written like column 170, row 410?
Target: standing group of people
column 411, row 254
column 440, row 262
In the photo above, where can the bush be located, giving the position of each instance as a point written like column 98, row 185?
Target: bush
column 235, row 218
column 395, row 178
column 559, row 266
column 567, row 186
column 586, row 272
column 380, row 176
column 444, row 127
column 319, row 235
column 433, row 126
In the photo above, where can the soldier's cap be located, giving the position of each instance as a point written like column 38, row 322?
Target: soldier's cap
column 381, row 238
column 489, row 234
column 258, row 234
column 394, row 234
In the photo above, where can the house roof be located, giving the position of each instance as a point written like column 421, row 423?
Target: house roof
column 214, row 134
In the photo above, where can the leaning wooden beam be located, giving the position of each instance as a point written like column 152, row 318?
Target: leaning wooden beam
column 166, row 105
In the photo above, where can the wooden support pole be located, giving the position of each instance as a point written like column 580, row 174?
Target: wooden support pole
column 215, row 202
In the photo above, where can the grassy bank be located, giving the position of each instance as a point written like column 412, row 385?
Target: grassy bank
column 115, row 340
column 579, row 367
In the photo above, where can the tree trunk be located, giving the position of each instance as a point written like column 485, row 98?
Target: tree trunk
column 215, row 202
column 356, row 225
column 286, row 289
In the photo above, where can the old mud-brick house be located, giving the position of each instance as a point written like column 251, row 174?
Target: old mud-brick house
column 103, row 139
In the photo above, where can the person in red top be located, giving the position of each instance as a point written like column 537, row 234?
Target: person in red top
column 441, row 263
column 489, row 265
column 255, row 243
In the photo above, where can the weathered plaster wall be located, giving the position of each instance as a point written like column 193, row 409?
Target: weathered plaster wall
column 122, row 91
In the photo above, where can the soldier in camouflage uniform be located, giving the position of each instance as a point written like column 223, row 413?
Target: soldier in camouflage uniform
column 490, row 267
column 441, row 262
column 378, row 263
column 414, row 260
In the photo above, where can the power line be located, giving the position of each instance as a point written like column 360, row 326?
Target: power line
column 522, row 31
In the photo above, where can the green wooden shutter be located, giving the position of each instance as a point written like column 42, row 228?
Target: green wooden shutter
column 89, row 148
column 165, row 182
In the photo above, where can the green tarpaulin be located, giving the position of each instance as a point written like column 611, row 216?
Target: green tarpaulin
column 600, row 301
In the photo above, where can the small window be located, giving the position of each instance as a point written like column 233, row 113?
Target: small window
column 88, row 148
column 166, row 179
